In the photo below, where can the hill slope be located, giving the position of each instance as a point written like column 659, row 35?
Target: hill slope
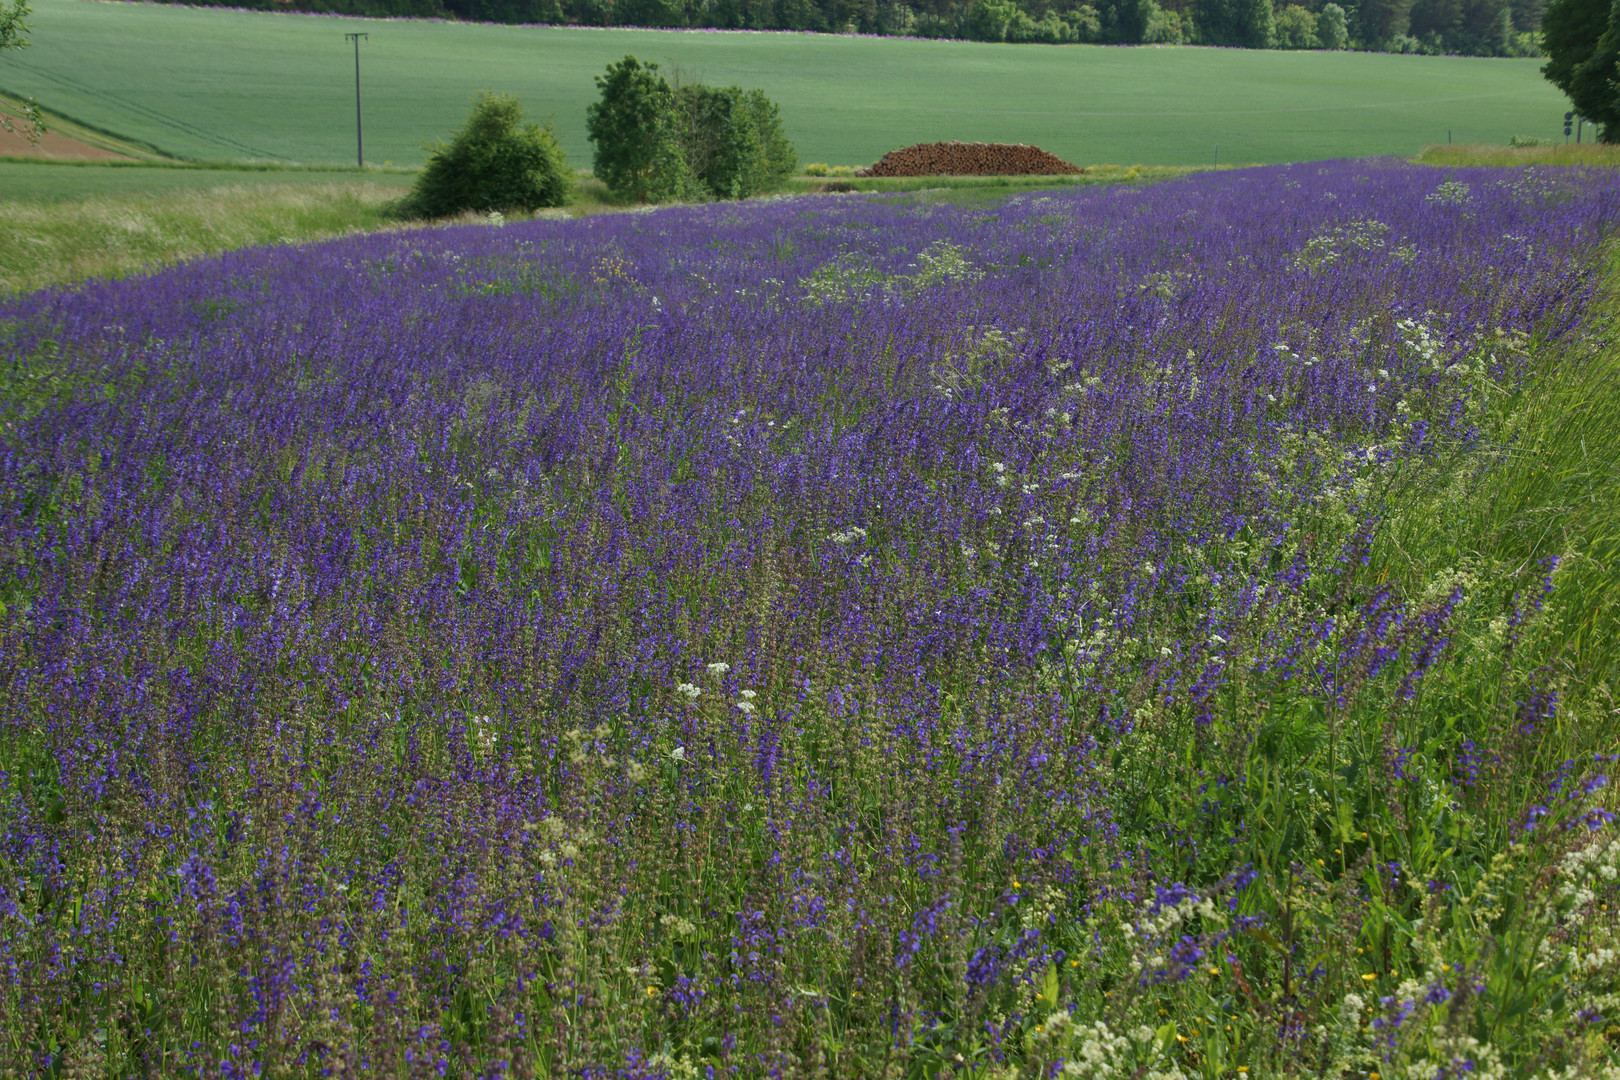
column 216, row 84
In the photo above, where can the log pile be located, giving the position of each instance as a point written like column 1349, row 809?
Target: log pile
column 970, row 159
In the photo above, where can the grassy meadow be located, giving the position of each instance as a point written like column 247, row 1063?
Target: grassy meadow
column 50, row 242
column 1581, row 155
column 26, row 181
column 213, row 84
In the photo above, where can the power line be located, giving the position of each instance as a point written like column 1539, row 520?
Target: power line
column 145, row 112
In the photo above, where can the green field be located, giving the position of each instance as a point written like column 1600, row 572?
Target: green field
column 50, row 182
column 212, row 84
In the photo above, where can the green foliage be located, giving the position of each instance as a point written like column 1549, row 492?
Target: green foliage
column 495, row 162
column 637, row 150
column 1005, row 20
column 1582, row 40
column 654, row 144
column 731, row 140
column 649, row 13
column 1332, row 27
column 1244, row 24
column 1296, row 28
column 12, row 27
column 1130, row 22
column 1381, row 22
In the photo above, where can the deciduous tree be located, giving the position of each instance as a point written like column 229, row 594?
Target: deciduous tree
column 1582, row 40
column 636, row 152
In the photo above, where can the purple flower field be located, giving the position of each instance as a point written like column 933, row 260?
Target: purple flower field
column 824, row 637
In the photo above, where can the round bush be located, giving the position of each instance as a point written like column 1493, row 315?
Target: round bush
column 495, row 162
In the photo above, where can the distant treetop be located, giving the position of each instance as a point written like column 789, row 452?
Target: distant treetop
column 1476, row 28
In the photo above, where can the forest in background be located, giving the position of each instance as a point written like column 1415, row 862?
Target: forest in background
column 1462, row 27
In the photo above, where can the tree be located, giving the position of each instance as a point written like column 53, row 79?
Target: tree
column 1582, row 41
column 1382, row 21
column 654, row 143
column 990, row 20
column 1128, row 22
column 1332, row 27
column 1243, row 24
column 649, row 13
column 1296, row 28
column 637, row 154
column 731, row 140
column 495, row 162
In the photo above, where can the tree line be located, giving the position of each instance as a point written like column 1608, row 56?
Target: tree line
column 1466, row 27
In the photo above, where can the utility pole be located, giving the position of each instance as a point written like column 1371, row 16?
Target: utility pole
column 359, row 139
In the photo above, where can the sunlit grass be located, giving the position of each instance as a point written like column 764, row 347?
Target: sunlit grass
column 1587, row 153
column 45, row 244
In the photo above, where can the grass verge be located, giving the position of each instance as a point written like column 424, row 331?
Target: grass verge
column 55, row 243
column 1589, row 154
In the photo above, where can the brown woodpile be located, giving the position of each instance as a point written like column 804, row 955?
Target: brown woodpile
column 970, row 159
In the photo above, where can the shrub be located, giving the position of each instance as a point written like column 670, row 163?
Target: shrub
column 495, row 162
column 654, row 143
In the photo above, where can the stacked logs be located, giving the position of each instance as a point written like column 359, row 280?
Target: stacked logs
column 970, row 159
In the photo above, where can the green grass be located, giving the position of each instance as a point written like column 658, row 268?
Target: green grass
column 212, row 84
column 1589, row 154
column 46, row 243
column 54, row 182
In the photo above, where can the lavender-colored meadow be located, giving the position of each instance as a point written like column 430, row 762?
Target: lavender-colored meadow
column 759, row 638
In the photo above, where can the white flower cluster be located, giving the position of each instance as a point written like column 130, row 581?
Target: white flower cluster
column 1586, row 870
column 481, row 733
column 676, row 926
column 1450, row 193
column 1096, row 1052
column 854, row 532
column 1100, row 1053
column 1168, row 918
column 556, row 829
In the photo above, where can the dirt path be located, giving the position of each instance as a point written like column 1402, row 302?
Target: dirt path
column 55, row 146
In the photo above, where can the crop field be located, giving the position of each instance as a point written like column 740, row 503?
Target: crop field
column 1143, row 631
column 211, row 84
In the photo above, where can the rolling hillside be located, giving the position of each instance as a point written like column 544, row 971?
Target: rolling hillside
column 218, row 85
